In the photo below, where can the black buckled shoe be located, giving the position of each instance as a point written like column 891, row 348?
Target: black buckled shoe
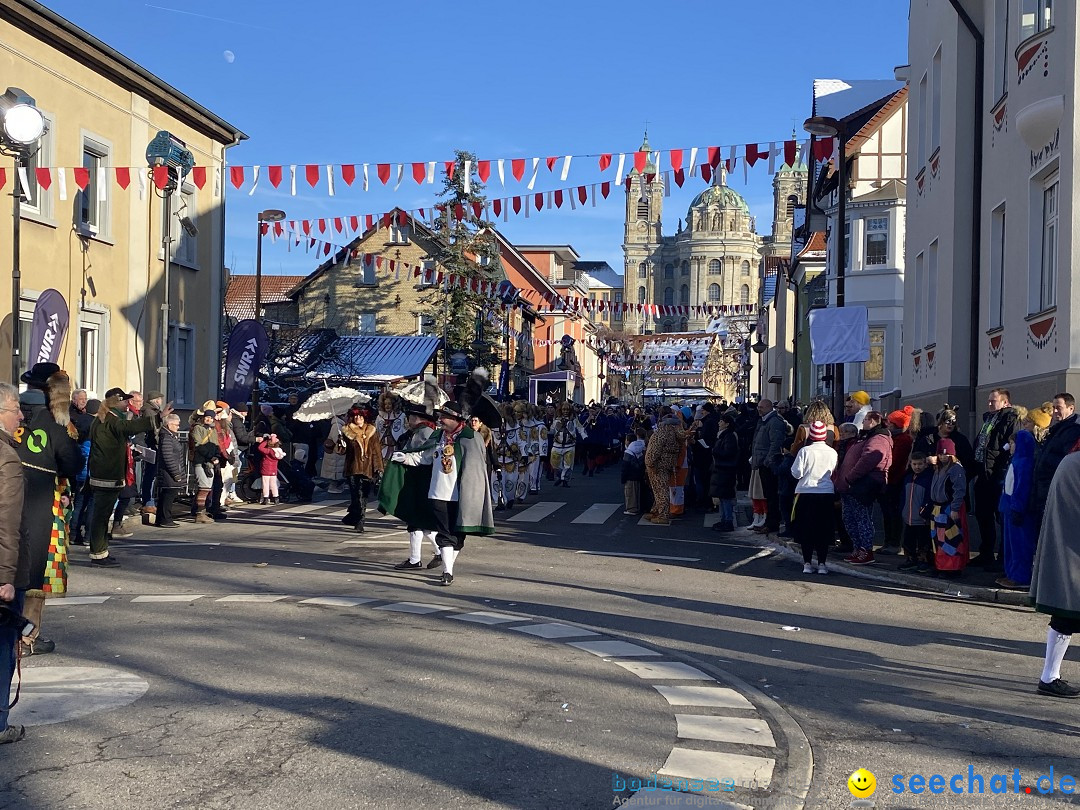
column 408, row 566
column 436, row 561
column 1059, row 688
column 448, row 579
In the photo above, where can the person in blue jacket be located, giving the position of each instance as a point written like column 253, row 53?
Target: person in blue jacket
column 1021, row 523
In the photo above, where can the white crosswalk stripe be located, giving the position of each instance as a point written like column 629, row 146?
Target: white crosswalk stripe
column 536, row 513
column 597, row 513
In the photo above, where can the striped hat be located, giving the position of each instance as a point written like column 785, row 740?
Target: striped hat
column 817, row 431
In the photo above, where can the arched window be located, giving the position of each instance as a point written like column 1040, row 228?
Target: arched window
column 745, row 297
column 685, row 268
column 745, row 267
column 643, row 270
column 669, row 296
column 716, row 222
column 643, row 208
column 641, row 295
column 731, row 223
column 669, row 270
column 714, row 292
column 667, row 326
column 684, row 325
column 684, row 295
column 792, row 202
column 715, row 268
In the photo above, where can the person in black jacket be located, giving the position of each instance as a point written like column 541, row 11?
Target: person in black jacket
column 992, row 458
column 1064, row 433
column 725, row 465
column 170, row 470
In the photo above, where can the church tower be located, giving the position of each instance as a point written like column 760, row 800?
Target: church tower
column 642, row 235
column 789, row 193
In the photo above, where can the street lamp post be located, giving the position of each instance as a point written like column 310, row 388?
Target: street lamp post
column 265, row 217
column 22, row 128
column 831, row 127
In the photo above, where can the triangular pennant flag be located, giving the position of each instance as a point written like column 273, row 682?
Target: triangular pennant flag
column 478, row 209
column 330, row 180
column 582, row 194
column 680, row 177
column 641, row 158
column 274, row 173
column 539, row 201
column 558, row 198
column 306, row 225
column 790, row 152
column 450, row 166
column 236, row 175
column 387, row 219
column 369, row 221
column 459, row 211
column 566, row 168
column 714, row 156
column 605, row 162
column 354, row 223
column 3, row 176
column 483, row 170
column 516, row 202
column 322, row 225
column 348, row 173
column 823, row 149
column 706, row 172
column 44, row 177
column 551, row 161
column 419, row 171
column 605, row 188
column 254, row 180
column 311, row 173
column 517, row 168
column 161, row 176
column 383, row 170
column 532, row 180
column 402, row 218
column 123, row 176
column 61, row 183
column 676, row 159
column 496, row 206
column 466, row 169
column 339, row 225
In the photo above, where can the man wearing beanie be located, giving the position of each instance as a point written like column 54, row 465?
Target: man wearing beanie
column 992, row 456
column 856, row 407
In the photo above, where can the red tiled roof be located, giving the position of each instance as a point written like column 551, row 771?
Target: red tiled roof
column 240, row 294
column 815, row 245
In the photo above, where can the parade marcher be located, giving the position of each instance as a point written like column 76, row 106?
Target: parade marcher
column 390, row 424
column 14, row 575
column 205, row 457
column 170, row 470
column 270, row 453
column 812, row 513
column 856, row 407
column 109, row 463
column 765, row 457
column 565, row 434
column 633, row 472
column 1055, row 581
column 536, row 438
column 661, row 454
column 725, row 464
column 992, row 457
column 230, row 456
column 412, row 505
column 1021, row 532
column 949, row 513
column 333, row 462
column 363, row 463
column 525, row 448
column 459, row 492
column 508, row 455
column 49, row 452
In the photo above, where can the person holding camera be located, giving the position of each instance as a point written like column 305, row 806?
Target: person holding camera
column 13, row 579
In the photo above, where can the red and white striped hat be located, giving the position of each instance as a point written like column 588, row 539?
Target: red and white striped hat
column 817, row 431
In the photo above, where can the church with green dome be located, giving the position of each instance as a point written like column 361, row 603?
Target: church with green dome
column 715, row 257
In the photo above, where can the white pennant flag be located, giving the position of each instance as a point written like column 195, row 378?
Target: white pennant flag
column 593, row 195
column 619, row 170
column 365, row 177
column 431, row 172
column 506, row 210
column 805, row 156
column 693, row 161
column 330, row 180
column 532, row 180
column 527, row 205
column 502, row 173
column 573, row 200
column 61, row 184
column 565, row 168
column 400, row 174
column 254, row 182
column 24, row 185
column 732, row 159
column 142, row 183
column 667, row 184
column 468, row 176
column 772, row 158
column 292, row 180
column 102, row 184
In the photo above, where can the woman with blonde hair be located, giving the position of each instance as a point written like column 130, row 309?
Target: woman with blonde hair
column 1037, row 421
column 817, row 411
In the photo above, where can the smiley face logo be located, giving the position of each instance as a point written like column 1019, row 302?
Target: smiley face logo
column 862, row 783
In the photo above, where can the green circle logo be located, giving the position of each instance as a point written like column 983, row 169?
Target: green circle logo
column 37, row 440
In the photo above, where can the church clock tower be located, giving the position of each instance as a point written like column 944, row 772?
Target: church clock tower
column 642, row 237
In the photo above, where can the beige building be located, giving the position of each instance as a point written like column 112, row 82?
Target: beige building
column 101, row 247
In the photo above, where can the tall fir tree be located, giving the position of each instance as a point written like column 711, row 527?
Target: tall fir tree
column 469, row 250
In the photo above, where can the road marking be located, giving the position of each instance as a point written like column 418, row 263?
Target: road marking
column 597, row 513
column 738, row 730
column 338, row 601
column 58, row 694
column 253, row 597
column 536, row 513
column 639, row 556
column 170, row 597
column 664, row 671
column 484, row 617
column 402, row 542
column 554, row 630
column 734, row 566
column 606, row 649
column 743, row 770
column 719, row 697
column 67, row 601
column 414, row 607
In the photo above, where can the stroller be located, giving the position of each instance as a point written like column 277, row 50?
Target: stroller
column 293, row 481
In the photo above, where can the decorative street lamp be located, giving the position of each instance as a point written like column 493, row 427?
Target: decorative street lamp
column 265, row 218
column 21, row 130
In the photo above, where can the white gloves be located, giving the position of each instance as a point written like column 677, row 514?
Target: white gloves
column 399, row 457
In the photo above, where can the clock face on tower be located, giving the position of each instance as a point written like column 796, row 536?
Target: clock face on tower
column 643, row 226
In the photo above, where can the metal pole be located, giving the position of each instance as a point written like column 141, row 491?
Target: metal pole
column 16, row 275
column 166, row 244
column 258, row 319
column 841, row 262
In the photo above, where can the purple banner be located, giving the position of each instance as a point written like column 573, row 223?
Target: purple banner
column 47, row 329
column 247, row 350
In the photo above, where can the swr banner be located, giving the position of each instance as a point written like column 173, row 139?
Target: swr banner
column 47, row 329
column 247, row 350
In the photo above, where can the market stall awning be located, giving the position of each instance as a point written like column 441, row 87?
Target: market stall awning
column 680, row 393
column 374, row 358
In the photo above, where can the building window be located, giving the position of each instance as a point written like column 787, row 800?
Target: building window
column 618, row 306
column 684, row 268
column 847, row 245
column 995, row 317
column 643, row 270
column 922, row 121
column 935, row 121
column 715, row 268
column 1048, row 265
column 669, row 270
column 643, row 208
column 745, row 268
column 714, row 292
column 669, row 296
column 744, row 296
column 184, row 246
column 425, row 325
column 427, row 273
column 399, row 234
column 94, row 199
column 920, row 301
column 877, row 241
column 92, row 360
column 684, row 295
column 366, row 323
column 35, row 200
column 182, row 365
column 641, row 295
column 931, row 295
column 874, row 368
column 1001, row 47
column 792, row 203
column 1035, row 16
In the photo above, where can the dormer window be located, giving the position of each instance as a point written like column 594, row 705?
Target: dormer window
column 399, row 234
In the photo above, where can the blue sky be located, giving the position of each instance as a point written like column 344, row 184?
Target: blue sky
column 356, row 81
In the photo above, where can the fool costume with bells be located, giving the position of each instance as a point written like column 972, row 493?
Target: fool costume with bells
column 536, row 436
column 565, row 433
column 508, row 456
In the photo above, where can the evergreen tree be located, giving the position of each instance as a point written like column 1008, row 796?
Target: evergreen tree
column 468, row 250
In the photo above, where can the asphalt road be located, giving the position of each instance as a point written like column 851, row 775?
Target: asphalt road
column 286, row 703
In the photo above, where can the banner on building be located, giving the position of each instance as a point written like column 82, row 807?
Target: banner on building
column 47, row 329
column 839, row 335
column 247, row 350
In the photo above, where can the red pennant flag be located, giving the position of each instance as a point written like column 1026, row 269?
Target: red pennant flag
column 714, row 156
column 392, row 265
column 450, row 166
column 403, row 218
column 706, row 172
column 459, row 211
column 627, row 183
column 44, row 178
column 558, row 199
column 640, row 160
column 82, row 177
column 123, row 176
column 378, row 262
column 354, row 222
column 605, row 189
column 419, row 171
column 326, row 249
column 339, row 226
column 236, row 174
column 605, row 162
column 676, row 159
column 516, row 203
column 3, row 177
column 478, row 209
column 823, row 148
column 322, row 226
column 582, row 194
column 369, row 222
column 161, row 176
column 790, row 149
column 483, row 170
column 306, row 225
column 753, row 154
column 517, row 168
column 384, row 172
column 680, row 177
column 278, row 229
column 496, row 206
column 311, row 171
column 551, row 163
column 274, row 173
column 730, row 164
column 348, row 173
column 387, row 219
column 539, row 198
